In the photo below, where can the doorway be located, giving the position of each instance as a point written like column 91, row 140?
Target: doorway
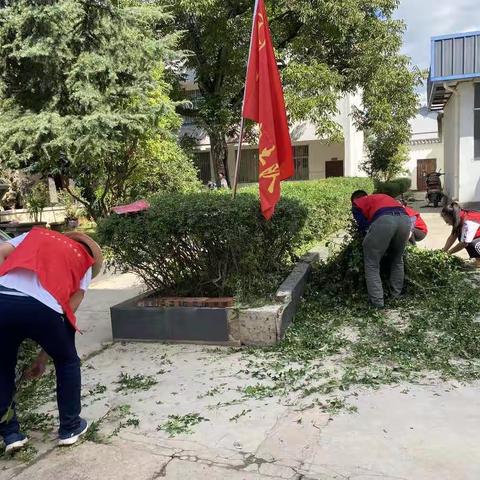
column 334, row 168
column 428, row 165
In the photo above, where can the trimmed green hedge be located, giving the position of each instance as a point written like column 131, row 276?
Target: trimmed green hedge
column 206, row 244
column 395, row 187
column 328, row 204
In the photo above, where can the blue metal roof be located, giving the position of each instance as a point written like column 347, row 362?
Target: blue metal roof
column 454, row 57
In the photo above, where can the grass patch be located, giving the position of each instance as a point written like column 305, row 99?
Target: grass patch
column 135, row 383
column 181, row 424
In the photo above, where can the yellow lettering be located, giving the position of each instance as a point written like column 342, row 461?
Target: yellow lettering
column 271, row 173
column 266, row 152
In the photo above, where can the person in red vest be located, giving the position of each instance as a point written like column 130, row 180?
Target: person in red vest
column 419, row 227
column 43, row 279
column 465, row 228
column 387, row 227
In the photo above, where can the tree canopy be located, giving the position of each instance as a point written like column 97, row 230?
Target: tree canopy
column 83, row 90
column 325, row 48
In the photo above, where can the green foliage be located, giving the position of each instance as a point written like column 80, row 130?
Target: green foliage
column 181, row 424
column 73, row 208
column 137, row 382
column 37, row 199
column 395, row 187
column 328, row 204
column 389, row 102
column 206, row 244
column 338, row 343
column 165, row 168
column 326, row 48
column 82, row 87
column 425, row 270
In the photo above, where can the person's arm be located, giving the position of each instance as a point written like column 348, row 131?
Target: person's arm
column 76, row 300
column 362, row 222
column 5, row 250
column 449, row 243
column 38, row 366
column 457, row 248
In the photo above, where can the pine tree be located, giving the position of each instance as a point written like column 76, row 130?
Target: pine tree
column 82, row 88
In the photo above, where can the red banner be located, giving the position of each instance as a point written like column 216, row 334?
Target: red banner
column 265, row 104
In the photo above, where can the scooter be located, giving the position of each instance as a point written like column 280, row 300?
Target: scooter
column 434, row 188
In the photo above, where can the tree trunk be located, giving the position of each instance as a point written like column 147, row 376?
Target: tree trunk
column 219, row 149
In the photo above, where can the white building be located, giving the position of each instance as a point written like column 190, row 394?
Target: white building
column 426, row 147
column 314, row 157
column 454, row 89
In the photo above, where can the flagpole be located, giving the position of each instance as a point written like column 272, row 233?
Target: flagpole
column 242, row 121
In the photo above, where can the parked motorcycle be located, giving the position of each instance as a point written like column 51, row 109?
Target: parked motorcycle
column 434, row 188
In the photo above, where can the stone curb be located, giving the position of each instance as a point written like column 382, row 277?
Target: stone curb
column 267, row 325
column 260, row 326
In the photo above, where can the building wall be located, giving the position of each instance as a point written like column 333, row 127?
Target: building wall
column 450, row 147
column 462, row 171
column 355, row 154
column 351, row 150
column 469, row 168
column 320, row 153
column 423, row 152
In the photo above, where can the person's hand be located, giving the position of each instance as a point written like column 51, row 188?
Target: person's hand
column 38, row 367
column 36, row 370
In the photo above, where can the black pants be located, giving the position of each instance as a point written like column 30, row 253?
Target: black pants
column 473, row 248
column 25, row 317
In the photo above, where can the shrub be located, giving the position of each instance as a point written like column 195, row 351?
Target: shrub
column 37, row 200
column 328, row 204
column 395, row 187
column 205, row 244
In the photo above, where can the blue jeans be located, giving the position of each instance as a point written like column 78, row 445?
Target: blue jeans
column 25, row 317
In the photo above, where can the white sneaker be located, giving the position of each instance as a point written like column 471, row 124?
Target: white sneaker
column 13, row 444
column 70, row 438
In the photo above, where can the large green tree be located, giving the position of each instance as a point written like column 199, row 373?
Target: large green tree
column 83, row 93
column 325, row 48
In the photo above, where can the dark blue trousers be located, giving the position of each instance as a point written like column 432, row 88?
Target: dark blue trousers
column 25, row 317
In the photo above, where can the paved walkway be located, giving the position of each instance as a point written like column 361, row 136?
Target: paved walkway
column 405, row 432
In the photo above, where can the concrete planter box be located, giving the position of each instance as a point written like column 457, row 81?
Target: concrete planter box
column 219, row 326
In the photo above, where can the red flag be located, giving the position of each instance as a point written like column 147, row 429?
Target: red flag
column 265, row 104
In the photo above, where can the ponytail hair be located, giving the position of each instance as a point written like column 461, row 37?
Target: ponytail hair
column 452, row 212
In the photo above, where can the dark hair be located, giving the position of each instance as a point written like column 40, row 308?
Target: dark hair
column 452, row 212
column 358, row 194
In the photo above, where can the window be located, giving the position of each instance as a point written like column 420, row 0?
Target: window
column 300, row 159
column 202, row 162
column 476, row 122
column 249, row 164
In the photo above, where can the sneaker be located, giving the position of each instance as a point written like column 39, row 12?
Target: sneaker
column 66, row 439
column 14, row 442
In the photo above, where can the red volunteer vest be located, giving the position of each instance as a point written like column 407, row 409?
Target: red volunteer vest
column 60, row 264
column 371, row 204
column 473, row 216
column 419, row 223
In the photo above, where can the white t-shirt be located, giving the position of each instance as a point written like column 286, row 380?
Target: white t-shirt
column 26, row 283
column 469, row 230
